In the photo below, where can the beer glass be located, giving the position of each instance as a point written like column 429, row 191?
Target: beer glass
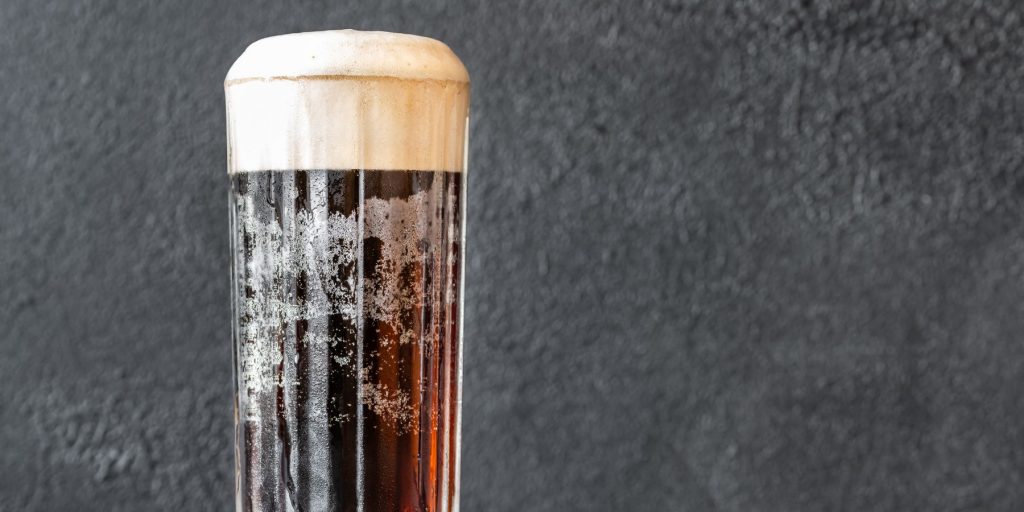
column 347, row 160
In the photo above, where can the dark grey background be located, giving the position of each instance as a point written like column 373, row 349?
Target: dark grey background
column 734, row 256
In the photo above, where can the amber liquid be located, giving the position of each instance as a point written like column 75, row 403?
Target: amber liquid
column 347, row 352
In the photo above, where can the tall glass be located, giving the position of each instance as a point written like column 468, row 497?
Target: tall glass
column 346, row 156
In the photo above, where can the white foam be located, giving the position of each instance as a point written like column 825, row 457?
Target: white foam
column 347, row 100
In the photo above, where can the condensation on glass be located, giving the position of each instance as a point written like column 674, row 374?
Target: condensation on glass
column 346, row 157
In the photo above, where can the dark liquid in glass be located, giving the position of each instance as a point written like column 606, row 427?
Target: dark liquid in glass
column 346, row 290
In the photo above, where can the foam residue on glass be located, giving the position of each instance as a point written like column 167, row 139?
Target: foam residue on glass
column 345, row 281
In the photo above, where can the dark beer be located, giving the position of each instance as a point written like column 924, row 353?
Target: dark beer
column 347, row 163
column 347, row 296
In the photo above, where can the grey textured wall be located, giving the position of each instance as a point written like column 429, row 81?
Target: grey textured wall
column 734, row 256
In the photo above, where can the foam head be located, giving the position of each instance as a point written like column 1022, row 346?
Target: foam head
column 346, row 99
